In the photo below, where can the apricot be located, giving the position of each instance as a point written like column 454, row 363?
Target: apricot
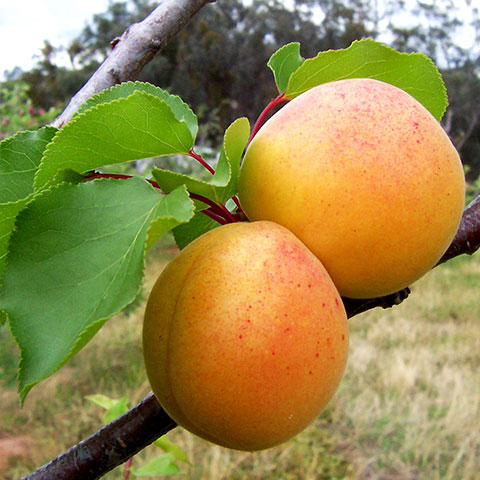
column 364, row 176
column 245, row 337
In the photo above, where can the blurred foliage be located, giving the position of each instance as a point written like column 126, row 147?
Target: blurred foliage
column 17, row 111
column 217, row 63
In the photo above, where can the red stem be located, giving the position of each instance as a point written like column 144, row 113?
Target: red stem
column 214, row 206
column 215, row 216
column 237, row 203
column 227, row 213
column 128, row 464
column 217, row 212
column 273, row 103
column 200, row 160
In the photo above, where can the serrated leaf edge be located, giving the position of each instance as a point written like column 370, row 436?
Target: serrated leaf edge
column 85, row 106
column 291, row 95
column 269, row 64
column 78, row 118
column 84, row 337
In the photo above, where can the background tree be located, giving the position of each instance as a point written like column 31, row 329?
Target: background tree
column 218, row 62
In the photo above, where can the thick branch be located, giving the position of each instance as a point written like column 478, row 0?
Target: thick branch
column 355, row 306
column 134, row 49
column 467, row 239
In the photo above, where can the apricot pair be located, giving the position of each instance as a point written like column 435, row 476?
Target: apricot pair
column 245, row 335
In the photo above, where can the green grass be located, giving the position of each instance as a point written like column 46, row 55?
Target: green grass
column 407, row 408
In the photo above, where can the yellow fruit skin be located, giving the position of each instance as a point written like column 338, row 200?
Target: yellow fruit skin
column 245, row 336
column 365, row 176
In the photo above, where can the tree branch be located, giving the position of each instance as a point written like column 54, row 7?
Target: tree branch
column 111, row 446
column 467, row 238
column 134, row 49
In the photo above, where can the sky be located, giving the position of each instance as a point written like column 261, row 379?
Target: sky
column 24, row 25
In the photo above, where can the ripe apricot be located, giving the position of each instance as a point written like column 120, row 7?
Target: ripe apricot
column 363, row 175
column 245, row 336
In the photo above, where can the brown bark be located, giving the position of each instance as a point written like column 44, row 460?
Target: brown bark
column 134, row 49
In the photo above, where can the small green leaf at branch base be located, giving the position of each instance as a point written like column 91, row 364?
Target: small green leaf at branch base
column 163, row 465
column 101, row 400
column 170, row 447
column 114, row 407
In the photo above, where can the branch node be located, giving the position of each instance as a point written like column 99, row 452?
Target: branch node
column 115, row 42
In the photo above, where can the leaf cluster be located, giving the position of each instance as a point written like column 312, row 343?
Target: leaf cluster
column 73, row 236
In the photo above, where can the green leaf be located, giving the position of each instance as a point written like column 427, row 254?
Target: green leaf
column 163, row 465
column 8, row 215
column 174, row 210
column 139, row 126
column 415, row 73
column 224, row 183
column 170, row 447
column 118, row 408
column 114, row 407
column 75, row 260
column 188, row 232
column 20, row 156
column 284, row 62
column 101, row 400
column 180, row 109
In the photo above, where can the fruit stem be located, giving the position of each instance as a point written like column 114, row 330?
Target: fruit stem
column 237, row 203
column 214, row 216
column 201, row 160
column 217, row 208
column 273, row 103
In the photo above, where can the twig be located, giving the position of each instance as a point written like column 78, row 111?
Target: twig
column 134, row 49
column 467, row 239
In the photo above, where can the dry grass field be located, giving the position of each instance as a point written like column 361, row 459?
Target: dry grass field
column 408, row 407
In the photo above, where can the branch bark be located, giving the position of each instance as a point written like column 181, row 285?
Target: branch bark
column 111, row 446
column 134, row 49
